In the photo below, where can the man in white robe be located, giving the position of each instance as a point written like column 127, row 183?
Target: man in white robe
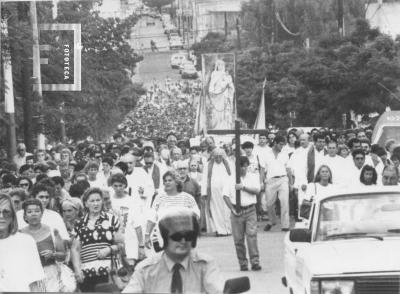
column 217, row 213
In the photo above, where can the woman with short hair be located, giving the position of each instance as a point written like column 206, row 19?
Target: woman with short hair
column 94, row 243
column 172, row 196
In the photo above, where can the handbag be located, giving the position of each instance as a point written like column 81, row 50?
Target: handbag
column 118, row 277
column 306, row 205
column 66, row 278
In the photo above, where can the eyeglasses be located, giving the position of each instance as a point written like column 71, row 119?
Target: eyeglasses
column 188, row 236
column 182, row 168
column 24, row 185
column 359, row 158
column 7, row 214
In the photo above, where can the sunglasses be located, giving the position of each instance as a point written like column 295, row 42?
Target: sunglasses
column 188, row 236
column 24, row 185
column 7, row 214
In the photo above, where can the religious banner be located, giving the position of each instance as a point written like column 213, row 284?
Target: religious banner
column 218, row 77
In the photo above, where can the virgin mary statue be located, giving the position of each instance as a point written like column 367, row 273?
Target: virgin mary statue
column 220, row 91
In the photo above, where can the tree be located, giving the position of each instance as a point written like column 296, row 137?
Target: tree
column 158, row 3
column 107, row 66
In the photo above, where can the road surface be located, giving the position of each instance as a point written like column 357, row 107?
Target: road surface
column 270, row 245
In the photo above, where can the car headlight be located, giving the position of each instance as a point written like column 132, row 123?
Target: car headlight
column 337, row 287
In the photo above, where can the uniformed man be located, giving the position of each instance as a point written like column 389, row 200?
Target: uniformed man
column 178, row 268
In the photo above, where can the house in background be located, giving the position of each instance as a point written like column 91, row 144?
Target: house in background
column 385, row 16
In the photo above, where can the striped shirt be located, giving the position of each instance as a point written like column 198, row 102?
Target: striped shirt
column 96, row 238
column 164, row 201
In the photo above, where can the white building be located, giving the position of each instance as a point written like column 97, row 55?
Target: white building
column 214, row 16
column 117, row 8
column 385, row 16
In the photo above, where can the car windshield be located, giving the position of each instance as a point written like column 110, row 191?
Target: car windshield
column 361, row 215
column 389, row 132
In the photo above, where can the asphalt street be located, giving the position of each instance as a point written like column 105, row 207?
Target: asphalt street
column 156, row 65
column 270, row 245
column 156, row 68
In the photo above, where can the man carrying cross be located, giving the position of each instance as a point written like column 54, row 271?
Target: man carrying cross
column 243, row 205
column 244, row 216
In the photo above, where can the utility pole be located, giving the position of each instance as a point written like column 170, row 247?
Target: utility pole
column 239, row 45
column 37, row 86
column 9, row 97
column 226, row 24
column 341, row 18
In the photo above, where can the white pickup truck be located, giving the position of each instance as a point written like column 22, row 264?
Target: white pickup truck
column 349, row 245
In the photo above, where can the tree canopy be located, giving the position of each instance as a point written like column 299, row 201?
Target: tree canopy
column 359, row 72
column 108, row 63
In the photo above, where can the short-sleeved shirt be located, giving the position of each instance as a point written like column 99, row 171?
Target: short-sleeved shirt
column 275, row 166
column 199, row 273
column 19, row 263
column 96, row 238
column 251, row 181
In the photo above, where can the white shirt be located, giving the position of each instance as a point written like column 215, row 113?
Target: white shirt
column 298, row 163
column 139, row 178
column 338, row 166
column 50, row 218
column 261, row 151
column 251, row 181
column 276, row 166
column 19, row 263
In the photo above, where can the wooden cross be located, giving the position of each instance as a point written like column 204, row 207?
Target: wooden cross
column 237, row 131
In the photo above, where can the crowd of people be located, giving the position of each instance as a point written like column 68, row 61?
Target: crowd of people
column 152, row 115
column 68, row 213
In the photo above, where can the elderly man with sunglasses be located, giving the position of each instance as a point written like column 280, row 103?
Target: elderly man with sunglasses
column 178, row 268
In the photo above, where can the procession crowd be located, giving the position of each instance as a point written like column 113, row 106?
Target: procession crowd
column 69, row 214
column 152, row 115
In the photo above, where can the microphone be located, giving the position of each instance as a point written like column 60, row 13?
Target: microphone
column 237, row 285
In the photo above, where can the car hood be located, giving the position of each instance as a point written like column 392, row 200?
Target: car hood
column 353, row 256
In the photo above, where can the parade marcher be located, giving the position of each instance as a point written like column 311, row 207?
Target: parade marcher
column 315, row 156
column 178, row 268
column 172, row 196
column 49, row 217
column 123, row 204
column 278, row 179
column 94, row 244
column 368, row 176
column 255, row 168
column 51, row 249
column 322, row 184
column 20, row 158
column 217, row 173
column 336, row 164
column 390, row 176
column 138, row 180
column 244, row 223
column 18, row 197
column 20, row 268
column 353, row 170
column 154, row 170
column 189, row 185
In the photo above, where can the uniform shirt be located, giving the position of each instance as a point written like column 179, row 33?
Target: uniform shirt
column 276, row 166
column 154, row 275
column 251, row 181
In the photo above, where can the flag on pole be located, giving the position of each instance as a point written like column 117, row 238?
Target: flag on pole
column 260, row 120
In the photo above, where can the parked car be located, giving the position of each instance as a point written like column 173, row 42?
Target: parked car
column 177, row 59
column 349, row 244
column 189, row 71
column 175, row 43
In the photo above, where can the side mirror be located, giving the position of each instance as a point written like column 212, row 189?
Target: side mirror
column 300, row 235
column 237, row 285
